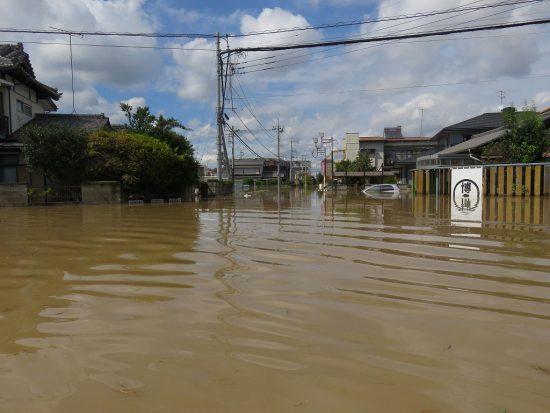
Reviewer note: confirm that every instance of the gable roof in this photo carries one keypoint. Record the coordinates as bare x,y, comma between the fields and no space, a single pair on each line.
16,62
477,124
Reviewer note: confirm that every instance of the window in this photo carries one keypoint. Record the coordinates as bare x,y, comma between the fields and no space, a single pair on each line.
22,107
8,174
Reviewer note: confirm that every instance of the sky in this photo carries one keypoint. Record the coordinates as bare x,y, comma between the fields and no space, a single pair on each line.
422,85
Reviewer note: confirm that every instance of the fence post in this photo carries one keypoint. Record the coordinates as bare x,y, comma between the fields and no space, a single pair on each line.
510,180
538,170
493,180
519,180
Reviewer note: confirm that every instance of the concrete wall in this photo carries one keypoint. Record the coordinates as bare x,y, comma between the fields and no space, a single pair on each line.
101,192
13,195
378,159
351,146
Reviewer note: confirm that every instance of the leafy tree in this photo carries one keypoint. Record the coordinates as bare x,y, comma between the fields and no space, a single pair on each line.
58,150
344,165
363,163
526,138
142,163
142,121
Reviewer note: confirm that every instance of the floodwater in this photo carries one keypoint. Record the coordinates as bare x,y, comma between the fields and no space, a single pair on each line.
335,303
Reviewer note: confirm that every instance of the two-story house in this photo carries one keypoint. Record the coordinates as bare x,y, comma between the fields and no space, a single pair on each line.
22,97
392,150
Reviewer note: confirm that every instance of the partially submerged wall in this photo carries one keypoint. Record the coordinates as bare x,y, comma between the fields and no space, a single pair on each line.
13,194
101,192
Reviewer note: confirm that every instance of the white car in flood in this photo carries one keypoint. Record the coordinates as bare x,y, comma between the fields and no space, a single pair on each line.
381,189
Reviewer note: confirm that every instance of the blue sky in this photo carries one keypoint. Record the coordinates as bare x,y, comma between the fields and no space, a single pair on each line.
346,89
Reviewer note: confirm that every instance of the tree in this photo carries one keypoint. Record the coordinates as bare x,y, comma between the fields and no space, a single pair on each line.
58,150
143,164
142,121
344,165
363,163
526,138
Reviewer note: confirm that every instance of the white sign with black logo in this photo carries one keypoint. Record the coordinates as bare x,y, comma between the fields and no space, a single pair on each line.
466,194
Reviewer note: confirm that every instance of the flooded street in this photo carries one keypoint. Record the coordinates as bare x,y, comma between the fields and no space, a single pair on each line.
336,303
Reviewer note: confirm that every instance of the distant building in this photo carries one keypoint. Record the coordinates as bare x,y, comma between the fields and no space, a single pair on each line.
300,169
260,168
391,151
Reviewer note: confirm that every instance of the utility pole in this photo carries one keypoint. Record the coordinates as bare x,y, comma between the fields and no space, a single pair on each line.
502,95
421,121
279,130
219,115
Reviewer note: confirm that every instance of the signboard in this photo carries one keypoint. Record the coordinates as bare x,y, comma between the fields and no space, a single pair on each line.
466,194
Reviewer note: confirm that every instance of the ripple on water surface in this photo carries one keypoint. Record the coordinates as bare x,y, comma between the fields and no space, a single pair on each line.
317,302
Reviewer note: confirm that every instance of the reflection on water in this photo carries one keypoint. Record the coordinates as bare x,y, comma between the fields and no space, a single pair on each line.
312,302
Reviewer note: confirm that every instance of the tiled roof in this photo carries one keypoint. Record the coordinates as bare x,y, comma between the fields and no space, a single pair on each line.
85,122
477,124
88,123
15,61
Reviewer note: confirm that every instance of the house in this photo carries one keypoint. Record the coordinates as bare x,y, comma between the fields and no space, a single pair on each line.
300,168
461,144
463,131
392,150
260,168
22,97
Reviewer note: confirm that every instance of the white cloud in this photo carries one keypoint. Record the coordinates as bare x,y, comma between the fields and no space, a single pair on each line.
121,68
194,72
542,99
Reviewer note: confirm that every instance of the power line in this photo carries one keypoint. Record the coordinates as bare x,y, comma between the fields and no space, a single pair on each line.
369,47
111,34
381,19
124,46
450,10
386,38
390,89
248,105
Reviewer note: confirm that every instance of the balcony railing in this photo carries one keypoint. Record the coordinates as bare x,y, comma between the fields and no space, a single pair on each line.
4,127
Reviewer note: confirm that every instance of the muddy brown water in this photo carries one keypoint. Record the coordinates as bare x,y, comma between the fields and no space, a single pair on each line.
335,303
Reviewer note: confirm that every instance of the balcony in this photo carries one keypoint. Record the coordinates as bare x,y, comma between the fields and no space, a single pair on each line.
4,127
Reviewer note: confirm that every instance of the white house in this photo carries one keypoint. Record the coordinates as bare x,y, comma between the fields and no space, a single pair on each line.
22,97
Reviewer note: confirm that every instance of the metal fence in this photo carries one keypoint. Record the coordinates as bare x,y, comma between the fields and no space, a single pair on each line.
55,194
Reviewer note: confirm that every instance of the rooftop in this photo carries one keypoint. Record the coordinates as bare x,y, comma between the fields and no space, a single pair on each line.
16,62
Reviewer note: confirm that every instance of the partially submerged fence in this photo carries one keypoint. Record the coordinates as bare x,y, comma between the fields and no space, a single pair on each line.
499,180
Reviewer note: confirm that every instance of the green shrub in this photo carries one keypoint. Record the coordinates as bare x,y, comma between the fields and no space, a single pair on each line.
141,163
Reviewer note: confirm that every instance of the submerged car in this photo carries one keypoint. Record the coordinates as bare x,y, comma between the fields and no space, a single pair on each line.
381,189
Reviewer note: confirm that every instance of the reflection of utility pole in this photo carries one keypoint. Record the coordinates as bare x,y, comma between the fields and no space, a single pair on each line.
291,158
232,133
321,150
279,130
